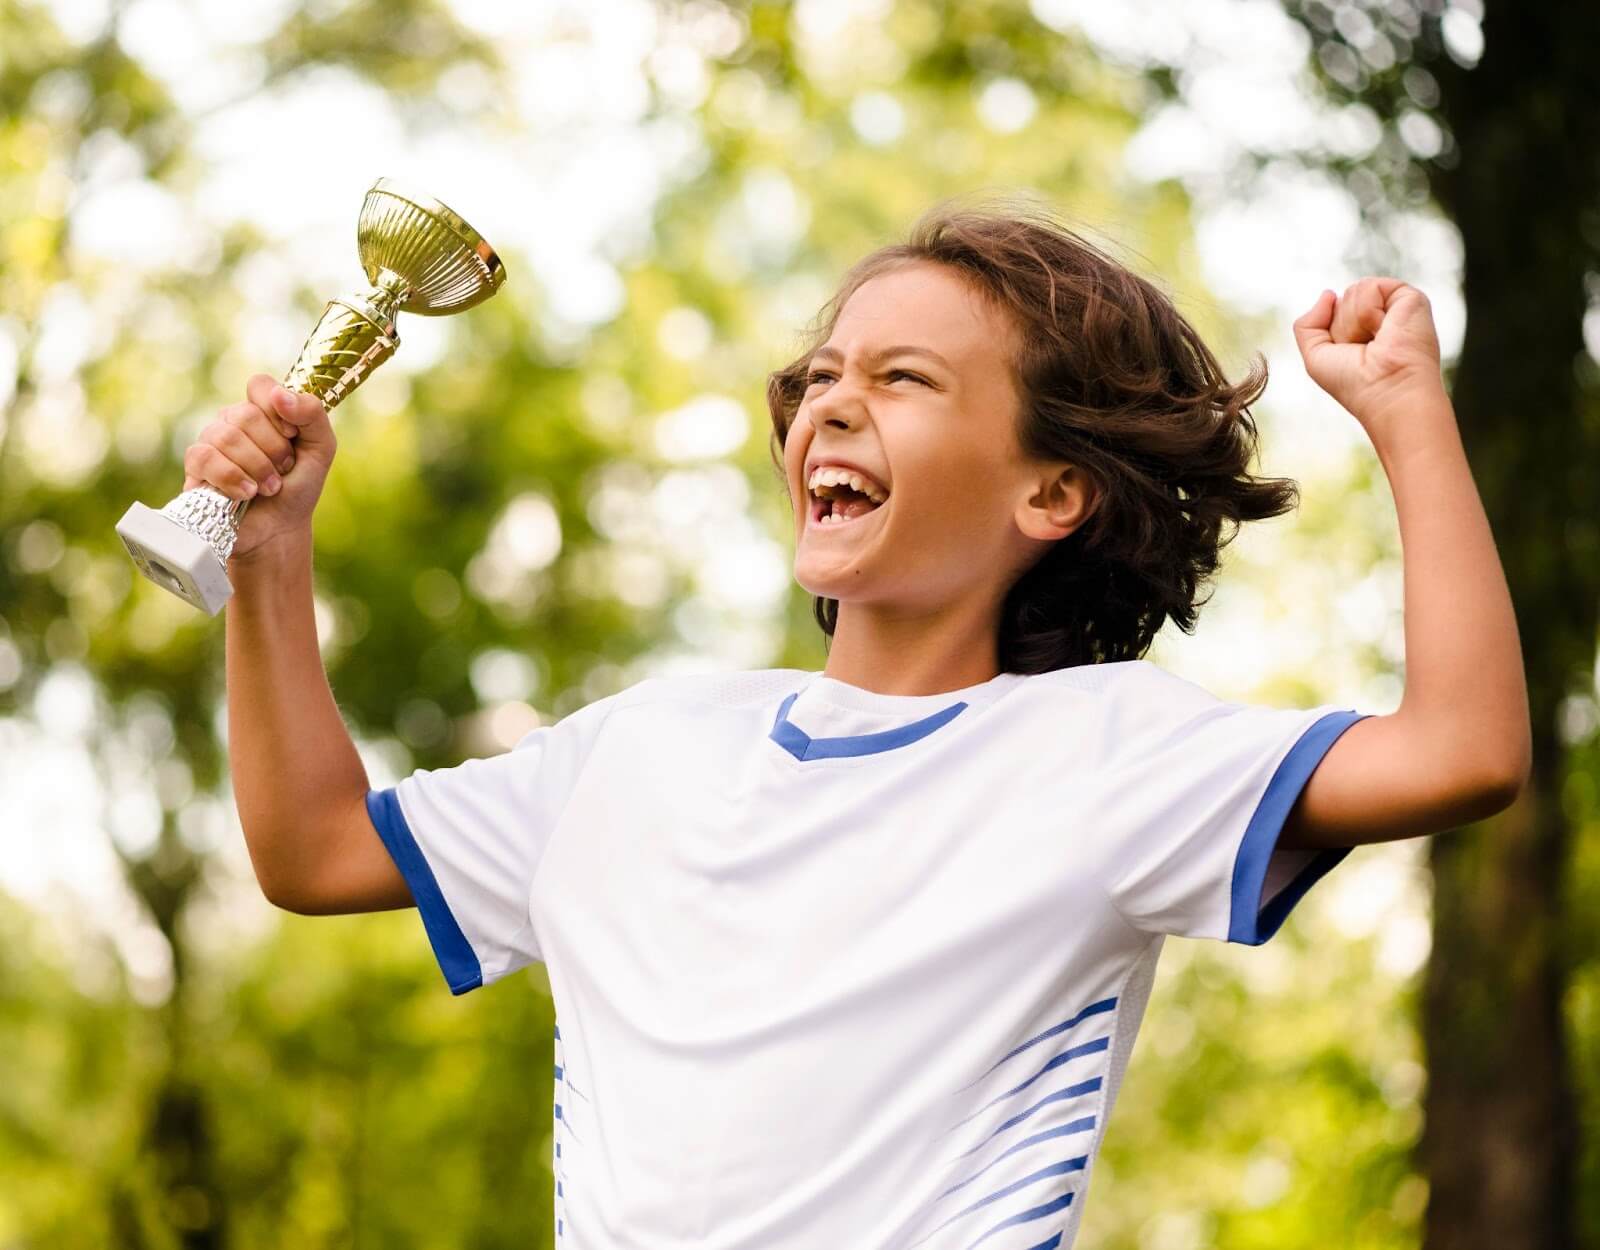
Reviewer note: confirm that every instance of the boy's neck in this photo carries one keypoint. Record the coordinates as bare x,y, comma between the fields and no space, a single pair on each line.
896,653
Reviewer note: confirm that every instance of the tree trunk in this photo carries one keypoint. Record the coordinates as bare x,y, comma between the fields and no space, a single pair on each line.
1499,1145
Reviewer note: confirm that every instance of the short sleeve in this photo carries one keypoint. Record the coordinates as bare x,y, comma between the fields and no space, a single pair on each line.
469,839
1200,856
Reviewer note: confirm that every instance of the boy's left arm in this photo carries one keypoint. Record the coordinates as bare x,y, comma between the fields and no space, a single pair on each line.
1459,747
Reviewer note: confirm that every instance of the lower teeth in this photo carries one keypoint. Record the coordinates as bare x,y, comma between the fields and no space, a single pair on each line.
829,515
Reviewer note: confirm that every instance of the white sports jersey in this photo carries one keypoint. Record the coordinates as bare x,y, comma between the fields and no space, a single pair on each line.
838,968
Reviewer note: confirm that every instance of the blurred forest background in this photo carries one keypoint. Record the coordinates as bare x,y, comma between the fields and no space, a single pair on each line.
569,489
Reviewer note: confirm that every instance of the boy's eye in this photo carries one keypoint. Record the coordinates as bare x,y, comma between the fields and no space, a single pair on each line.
818,375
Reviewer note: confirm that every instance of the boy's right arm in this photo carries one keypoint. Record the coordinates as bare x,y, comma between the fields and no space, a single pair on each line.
298,781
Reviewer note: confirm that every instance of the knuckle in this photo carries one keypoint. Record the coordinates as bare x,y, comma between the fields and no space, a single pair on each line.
206,462
217,463
238,434
248,440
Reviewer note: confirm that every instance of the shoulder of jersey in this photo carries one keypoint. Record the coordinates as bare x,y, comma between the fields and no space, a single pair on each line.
1141,680
1139,697
1174,694
729,689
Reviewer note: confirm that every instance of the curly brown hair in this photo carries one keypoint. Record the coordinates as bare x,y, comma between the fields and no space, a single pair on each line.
1114,380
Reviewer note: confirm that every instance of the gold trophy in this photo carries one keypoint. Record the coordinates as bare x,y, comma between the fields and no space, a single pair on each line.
420,258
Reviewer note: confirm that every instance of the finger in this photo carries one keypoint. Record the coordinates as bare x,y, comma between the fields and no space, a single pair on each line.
1362,313
298,409
1407,301
208,465
258,390
310,416
1346,315
1388,287
263,431
1379,292
287,428
240,448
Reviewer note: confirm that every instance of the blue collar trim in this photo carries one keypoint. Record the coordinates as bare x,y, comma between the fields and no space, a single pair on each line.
803,746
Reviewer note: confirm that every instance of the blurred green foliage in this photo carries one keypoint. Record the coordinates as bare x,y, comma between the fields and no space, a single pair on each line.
316,1085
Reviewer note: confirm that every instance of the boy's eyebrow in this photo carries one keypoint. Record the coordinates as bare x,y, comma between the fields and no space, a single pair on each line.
883,353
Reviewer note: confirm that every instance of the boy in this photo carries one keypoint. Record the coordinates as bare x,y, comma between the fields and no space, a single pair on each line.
856,958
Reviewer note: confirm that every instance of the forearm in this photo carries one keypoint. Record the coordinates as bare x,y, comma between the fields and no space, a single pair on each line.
1464,681
293,762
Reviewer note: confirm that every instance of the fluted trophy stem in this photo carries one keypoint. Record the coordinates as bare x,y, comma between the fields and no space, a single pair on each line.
355,335
419,257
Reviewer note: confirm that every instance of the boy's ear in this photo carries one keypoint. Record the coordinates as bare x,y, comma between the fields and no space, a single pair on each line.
1059,502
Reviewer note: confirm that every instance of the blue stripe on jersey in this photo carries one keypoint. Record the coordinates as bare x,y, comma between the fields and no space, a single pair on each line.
1081,1125
1061,1057
1055,1169
1022,1217
456,957
803,746
1249,922
1008,1139
1071,1091
1105,1004
561,1127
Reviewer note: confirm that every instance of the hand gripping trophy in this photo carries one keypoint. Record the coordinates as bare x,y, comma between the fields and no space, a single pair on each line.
420,258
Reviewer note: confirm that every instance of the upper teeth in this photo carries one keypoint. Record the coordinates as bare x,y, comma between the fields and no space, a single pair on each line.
829,476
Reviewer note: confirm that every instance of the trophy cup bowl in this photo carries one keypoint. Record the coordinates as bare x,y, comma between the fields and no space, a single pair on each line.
419,258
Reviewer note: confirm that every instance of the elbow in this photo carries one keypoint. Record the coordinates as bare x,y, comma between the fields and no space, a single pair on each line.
1511,788
1467,796
1501,787
1517,772
286,892
281,896
1499,771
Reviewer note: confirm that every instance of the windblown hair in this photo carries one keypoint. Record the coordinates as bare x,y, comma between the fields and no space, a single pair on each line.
1114,380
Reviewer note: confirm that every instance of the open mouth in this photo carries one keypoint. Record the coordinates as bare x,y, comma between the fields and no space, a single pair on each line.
835,504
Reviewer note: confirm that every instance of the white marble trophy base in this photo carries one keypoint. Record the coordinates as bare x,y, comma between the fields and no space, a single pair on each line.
175,558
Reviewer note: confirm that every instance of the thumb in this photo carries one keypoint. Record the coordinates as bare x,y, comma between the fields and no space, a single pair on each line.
298,416
314,431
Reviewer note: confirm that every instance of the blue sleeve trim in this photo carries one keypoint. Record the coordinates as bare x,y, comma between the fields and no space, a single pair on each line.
456,957
1249,922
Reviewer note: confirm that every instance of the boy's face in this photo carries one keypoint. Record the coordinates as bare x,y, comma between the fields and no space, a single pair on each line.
964,514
